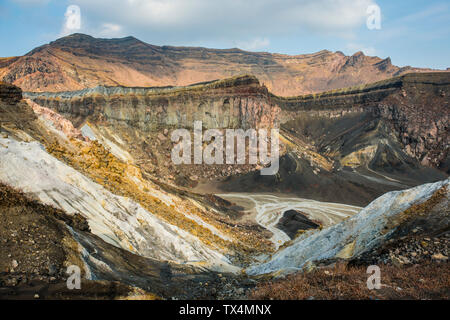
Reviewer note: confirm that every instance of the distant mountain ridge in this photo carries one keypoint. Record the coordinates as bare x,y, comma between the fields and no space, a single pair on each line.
80,61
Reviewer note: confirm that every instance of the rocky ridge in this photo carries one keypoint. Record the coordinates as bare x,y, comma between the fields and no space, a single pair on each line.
239,102
131,62
415,105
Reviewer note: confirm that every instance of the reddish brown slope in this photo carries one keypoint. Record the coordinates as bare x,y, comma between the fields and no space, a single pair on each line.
80,61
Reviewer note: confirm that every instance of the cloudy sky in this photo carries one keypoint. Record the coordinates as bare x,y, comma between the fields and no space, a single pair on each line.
411,32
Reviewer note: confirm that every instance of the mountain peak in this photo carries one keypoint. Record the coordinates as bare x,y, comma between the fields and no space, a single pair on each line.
74,37
131,62
359,54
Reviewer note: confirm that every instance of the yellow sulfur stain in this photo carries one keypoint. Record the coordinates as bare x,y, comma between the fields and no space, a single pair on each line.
347,251
100,165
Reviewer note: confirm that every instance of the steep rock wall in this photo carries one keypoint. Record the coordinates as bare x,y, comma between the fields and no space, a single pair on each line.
10,93
232,103
415,105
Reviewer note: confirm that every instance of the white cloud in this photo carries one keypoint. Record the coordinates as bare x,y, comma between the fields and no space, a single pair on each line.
110,30
217,19
31,2
254,44
354,47
72,20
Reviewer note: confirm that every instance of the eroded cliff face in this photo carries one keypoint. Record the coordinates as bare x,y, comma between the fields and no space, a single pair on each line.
9,93
414,108
420,114
352,145
366,140
233,103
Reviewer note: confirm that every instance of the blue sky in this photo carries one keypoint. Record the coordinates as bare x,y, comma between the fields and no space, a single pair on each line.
415,33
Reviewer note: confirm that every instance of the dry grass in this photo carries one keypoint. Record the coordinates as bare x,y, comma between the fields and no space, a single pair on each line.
426,281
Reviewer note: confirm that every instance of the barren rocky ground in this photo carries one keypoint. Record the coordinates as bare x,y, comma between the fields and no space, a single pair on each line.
86,179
